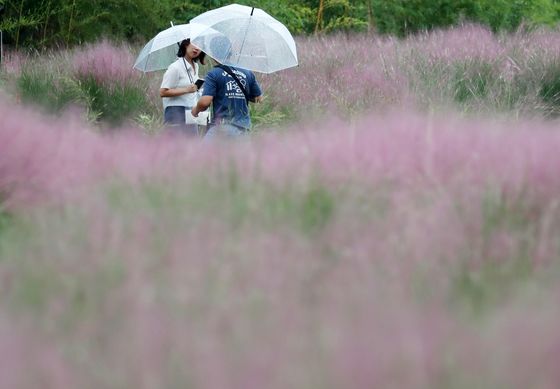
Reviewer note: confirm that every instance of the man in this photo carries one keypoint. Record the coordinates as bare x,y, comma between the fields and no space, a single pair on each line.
231,100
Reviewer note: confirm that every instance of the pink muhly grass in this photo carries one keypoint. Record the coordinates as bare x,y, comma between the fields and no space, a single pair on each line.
337,73
542,44
408,148
22,352
12,62
414,148
521,338
183,284
463,43
343,76
44,158
106,63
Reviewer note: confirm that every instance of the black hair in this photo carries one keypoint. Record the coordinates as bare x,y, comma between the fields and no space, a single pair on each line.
183,51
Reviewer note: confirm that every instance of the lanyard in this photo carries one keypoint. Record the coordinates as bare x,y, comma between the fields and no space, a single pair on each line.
188,71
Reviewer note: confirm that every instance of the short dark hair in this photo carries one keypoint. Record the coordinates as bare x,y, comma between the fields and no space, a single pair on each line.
183,51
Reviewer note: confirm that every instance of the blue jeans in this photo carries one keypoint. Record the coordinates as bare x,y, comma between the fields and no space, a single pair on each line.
174,119
226,130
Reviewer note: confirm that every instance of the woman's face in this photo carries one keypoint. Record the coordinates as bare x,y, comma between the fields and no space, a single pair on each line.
192,51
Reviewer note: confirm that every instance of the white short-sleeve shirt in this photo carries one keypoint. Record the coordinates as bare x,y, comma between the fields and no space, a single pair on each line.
178,76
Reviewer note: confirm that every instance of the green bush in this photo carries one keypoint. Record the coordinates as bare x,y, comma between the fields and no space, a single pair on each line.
40,23
482,287
550,89
46,90
510,14
47,23
113,104
268,115
317,208
51,85
472,80
5,216
401,17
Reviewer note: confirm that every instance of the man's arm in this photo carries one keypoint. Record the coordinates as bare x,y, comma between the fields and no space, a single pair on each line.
255,90
202,105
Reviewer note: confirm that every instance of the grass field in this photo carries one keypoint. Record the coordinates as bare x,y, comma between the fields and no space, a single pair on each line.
392,223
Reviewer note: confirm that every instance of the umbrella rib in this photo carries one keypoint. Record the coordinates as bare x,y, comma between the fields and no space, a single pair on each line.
251,51
245,36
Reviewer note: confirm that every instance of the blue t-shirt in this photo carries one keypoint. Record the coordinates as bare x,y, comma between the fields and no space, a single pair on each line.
229,101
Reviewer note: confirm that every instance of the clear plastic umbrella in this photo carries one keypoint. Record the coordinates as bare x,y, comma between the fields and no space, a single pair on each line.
246,37
161,50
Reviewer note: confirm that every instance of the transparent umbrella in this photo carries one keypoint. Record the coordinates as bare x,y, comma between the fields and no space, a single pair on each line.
161,50
245,37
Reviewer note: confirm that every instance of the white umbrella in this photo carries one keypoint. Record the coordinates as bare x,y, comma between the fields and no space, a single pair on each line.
161,50
246,37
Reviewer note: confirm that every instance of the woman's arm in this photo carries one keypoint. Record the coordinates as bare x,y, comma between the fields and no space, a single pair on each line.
173,92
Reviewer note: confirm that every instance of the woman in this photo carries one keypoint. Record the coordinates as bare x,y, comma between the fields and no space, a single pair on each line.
178,89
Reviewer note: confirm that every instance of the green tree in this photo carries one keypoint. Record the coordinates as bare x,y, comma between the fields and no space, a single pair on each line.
401,17
510,14
39,23
42,23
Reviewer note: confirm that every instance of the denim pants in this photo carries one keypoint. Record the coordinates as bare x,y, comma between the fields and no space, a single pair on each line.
226,130
174,119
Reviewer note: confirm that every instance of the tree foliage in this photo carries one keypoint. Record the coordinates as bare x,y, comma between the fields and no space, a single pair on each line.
40,23
401,17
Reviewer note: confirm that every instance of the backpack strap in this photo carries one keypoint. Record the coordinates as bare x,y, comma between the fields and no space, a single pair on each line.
232,74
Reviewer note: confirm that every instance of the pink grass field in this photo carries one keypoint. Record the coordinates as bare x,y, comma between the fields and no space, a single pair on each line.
379,240
402,250
347,74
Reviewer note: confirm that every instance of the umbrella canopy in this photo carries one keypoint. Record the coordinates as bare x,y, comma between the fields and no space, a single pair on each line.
161,50
246,37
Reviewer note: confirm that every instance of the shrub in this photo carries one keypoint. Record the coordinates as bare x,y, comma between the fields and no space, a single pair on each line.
47,90
550,89
114,89
472,80
113,104
99,77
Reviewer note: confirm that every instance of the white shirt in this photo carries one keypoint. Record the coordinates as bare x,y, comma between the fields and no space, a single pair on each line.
177,76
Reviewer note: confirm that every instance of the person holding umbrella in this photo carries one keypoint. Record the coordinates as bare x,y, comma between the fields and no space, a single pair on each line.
179,88
229,89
